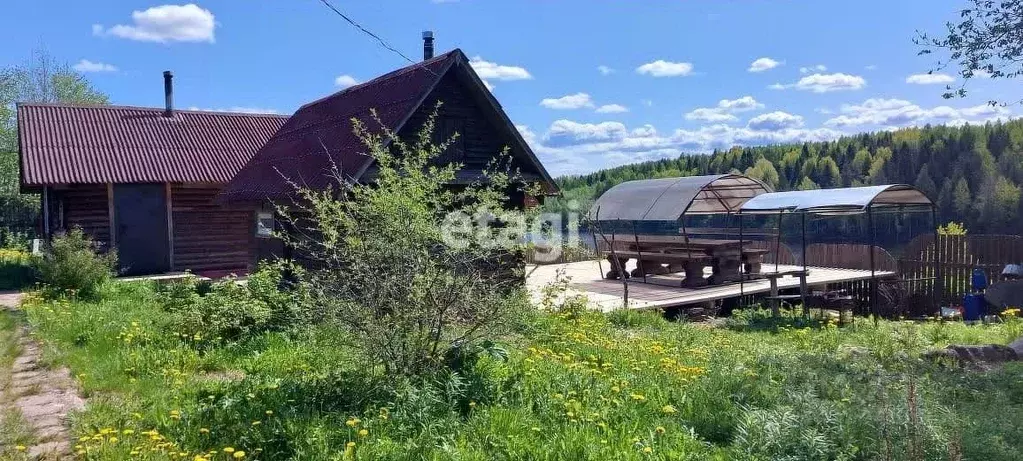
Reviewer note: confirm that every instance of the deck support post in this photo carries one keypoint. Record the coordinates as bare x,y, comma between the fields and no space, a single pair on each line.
802,277
742,265
639,251
596,249
873,277
938,287
777,243
46,212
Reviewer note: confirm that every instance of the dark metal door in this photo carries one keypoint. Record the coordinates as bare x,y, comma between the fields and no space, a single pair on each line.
140,223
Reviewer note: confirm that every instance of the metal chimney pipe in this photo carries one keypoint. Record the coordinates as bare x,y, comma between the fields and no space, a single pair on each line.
168,94
427,44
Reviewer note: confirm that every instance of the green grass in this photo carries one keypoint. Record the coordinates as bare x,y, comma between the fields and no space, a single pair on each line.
15,270
616,386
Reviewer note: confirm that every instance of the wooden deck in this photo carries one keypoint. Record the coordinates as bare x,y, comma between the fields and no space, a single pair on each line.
662,291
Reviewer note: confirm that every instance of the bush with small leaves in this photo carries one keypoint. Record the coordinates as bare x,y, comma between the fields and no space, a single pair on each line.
72,266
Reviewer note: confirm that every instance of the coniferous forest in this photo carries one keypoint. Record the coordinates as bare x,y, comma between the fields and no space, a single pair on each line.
973,173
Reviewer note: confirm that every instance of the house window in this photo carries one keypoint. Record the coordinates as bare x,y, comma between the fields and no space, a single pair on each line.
264,224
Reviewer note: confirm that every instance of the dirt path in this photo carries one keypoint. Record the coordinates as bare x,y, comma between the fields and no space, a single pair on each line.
43,397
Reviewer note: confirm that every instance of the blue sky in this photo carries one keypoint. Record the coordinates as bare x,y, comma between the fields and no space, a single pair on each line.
590,84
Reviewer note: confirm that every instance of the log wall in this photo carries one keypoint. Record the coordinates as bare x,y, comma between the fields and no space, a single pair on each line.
208,235
84,206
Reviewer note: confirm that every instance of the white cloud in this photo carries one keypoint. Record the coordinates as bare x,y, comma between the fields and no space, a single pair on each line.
570,147
816,68
775,121
871,67
823,83
929,79
710,114
572,101
574,132
895,113
612,109
493,71
604,70
762,64
778,86
345,81
238,109
724,110
742,104
662,68
165,23
86,65
486,83
647,102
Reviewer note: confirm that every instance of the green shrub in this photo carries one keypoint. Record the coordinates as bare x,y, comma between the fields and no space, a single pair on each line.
282,287
274,298
226,313
404,263
71,266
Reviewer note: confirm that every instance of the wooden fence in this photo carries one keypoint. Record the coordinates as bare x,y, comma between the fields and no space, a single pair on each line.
957,257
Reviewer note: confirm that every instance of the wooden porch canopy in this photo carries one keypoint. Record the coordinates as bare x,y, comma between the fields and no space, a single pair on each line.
668,199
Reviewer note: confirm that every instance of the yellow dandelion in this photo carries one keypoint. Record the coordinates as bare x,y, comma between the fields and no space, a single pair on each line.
350,445
648,450
228,450
363,432
238,454
20,448
668,410
204,430
659,430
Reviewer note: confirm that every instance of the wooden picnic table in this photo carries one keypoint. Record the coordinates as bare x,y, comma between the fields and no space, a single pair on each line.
662,254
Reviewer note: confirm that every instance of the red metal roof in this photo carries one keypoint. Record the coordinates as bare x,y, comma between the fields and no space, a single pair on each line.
320,134
69,144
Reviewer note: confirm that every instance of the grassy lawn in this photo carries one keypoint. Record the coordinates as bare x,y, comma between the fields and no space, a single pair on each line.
625,385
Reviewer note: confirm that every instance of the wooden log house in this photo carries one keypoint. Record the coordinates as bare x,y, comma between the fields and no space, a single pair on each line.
176,190
319,136
144,180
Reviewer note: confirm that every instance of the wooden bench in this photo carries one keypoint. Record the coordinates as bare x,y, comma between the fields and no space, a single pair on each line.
777,299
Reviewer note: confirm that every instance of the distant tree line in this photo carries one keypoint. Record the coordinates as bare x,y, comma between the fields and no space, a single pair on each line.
973,173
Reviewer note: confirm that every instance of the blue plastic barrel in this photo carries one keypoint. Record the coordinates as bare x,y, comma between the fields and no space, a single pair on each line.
973,307
979,280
